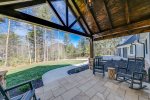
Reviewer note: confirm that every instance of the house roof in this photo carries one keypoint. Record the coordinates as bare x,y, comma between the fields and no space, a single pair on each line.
131,40
104,20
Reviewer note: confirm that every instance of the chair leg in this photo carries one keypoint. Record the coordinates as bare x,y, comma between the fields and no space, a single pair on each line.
116,76
93,71
131,84
141,86
103,71
34,97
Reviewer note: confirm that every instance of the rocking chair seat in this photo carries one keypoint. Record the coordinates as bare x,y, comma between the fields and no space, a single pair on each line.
132,75
124,75
26,96
17,97
29,95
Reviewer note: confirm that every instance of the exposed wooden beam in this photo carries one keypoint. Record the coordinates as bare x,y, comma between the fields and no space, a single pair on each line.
95,19
55,11
137,31
127,12
80,23
77,8
67,20
75,22
91,48
4,2
126,28
34,20
23,4
108,14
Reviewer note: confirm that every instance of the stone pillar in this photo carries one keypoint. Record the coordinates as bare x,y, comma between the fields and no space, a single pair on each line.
2,78
91,54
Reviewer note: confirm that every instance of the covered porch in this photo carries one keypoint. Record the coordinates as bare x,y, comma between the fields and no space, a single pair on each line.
99,20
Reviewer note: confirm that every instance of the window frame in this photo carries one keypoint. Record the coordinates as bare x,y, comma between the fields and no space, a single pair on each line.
146,47
131,49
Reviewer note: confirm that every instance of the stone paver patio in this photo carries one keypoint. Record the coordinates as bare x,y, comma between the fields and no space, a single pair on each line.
86,86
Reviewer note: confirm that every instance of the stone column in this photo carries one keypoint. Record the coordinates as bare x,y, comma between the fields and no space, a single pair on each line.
2,78
91,54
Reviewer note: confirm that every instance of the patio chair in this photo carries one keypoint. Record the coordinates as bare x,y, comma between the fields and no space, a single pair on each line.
132,73
26,96
98,66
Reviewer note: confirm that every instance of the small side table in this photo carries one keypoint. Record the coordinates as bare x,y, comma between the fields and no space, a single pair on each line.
111,72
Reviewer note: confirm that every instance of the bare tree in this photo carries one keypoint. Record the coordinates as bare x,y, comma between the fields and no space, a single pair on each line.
44,44
7,43
35,49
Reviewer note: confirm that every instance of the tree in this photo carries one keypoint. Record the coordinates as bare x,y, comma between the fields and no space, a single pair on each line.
43,12
83,47
66,43
7,43
35,44
106,47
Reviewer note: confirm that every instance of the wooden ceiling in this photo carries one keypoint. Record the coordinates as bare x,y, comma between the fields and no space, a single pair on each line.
104,20
114,18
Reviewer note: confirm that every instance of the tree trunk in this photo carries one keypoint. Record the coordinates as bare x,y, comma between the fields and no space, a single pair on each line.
29,51
35,48
44,45
7,44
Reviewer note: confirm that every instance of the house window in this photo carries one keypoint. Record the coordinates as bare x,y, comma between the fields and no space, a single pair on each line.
131,49
146,48
119,51
125,52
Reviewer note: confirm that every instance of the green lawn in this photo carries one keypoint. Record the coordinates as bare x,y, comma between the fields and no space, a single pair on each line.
35,71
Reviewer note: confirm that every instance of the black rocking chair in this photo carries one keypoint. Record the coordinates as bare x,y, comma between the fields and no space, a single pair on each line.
26,96
98,66
132,73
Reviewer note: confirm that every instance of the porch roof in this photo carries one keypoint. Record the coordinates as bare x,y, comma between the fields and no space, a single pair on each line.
104,20
131,40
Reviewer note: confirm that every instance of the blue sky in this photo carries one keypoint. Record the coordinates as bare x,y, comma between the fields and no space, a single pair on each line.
59,6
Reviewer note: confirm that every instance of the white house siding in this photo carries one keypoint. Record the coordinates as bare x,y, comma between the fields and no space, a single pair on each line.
139,49
147,56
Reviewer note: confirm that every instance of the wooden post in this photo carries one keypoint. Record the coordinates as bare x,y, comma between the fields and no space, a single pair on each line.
91,54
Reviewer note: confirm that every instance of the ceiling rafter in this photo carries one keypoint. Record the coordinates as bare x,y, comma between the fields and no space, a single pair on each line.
108,14
75,22
147,29
55,11
127,12
23,4
34,20
77,8
126,28
67,19
80,23
95,19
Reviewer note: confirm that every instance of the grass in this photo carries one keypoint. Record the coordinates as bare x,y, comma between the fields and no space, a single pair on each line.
20,74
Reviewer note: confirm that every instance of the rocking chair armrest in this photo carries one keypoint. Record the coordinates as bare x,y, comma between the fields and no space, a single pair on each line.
134,73
19,85
123,68
138,73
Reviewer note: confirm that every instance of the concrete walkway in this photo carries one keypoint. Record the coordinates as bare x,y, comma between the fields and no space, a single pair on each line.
58,73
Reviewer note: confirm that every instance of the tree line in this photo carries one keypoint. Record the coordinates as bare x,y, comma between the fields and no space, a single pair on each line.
41,44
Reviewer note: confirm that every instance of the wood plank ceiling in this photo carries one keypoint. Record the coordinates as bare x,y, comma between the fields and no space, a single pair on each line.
114,18
104,20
